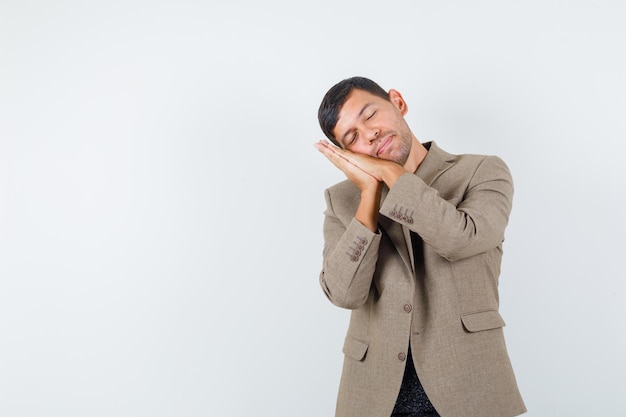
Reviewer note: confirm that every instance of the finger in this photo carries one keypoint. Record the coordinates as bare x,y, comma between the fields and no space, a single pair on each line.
325,146
319,146
343,159
346,166
327,149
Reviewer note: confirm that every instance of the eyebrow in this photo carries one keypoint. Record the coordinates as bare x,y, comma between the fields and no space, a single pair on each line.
343,138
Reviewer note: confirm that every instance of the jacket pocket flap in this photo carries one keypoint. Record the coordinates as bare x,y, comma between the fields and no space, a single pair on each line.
483,320
355,349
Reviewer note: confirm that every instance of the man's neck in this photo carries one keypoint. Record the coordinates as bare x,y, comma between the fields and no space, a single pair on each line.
416,155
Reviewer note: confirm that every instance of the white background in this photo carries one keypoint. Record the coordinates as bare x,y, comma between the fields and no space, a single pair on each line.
161,201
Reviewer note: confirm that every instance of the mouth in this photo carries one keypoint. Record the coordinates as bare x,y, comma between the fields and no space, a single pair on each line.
384,145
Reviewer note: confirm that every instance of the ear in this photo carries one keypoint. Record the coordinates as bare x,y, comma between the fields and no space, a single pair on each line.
396,98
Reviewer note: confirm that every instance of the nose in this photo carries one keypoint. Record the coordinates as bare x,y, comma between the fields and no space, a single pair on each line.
374,135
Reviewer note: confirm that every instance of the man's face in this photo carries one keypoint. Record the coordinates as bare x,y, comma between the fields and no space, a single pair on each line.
373,126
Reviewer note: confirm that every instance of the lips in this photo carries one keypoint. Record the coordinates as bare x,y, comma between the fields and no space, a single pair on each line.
384,145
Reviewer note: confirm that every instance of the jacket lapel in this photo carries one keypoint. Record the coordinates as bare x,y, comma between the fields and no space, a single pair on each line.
436,163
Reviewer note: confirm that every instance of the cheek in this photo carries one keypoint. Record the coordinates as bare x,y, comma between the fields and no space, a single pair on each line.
360,148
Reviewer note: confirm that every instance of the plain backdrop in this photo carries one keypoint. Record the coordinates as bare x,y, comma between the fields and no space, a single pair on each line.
161,201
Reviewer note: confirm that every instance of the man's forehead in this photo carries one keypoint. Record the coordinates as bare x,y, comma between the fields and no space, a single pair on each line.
356,100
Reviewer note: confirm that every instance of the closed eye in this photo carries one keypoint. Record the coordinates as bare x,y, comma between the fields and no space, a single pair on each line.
371,115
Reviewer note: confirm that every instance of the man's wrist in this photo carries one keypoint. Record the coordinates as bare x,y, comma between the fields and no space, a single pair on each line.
391,172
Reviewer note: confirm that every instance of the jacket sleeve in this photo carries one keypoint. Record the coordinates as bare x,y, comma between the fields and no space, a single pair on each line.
475,225
349,259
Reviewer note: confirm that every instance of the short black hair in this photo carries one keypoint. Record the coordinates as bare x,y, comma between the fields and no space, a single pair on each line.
335,98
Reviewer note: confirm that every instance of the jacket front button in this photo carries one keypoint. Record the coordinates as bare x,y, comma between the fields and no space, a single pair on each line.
401,356
408,308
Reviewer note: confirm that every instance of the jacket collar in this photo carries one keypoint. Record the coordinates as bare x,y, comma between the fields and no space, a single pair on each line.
436,162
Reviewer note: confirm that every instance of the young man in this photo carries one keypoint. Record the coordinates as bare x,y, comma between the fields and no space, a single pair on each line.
413,245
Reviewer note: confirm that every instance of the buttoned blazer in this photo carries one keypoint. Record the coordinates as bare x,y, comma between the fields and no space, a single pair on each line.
442,297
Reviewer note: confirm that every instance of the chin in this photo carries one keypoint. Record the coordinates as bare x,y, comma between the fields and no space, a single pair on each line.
401,160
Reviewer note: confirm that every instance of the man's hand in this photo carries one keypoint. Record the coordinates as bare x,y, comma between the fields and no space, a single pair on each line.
339,158
380,169
370,187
